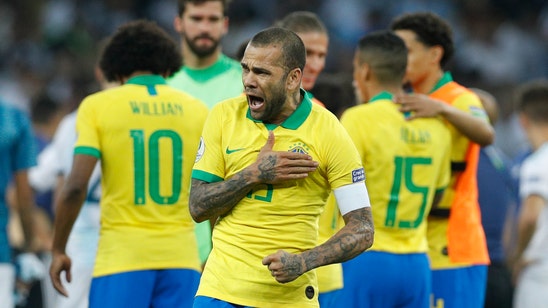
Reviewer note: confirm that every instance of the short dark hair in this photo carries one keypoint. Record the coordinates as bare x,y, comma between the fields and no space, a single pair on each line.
293,51
532,100
385,53
139,46
302,22
431,30
43,107
181,5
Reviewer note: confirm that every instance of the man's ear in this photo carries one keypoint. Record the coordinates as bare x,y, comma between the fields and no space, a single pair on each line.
294,79
437,53
365,72
178,24
225,25
523,121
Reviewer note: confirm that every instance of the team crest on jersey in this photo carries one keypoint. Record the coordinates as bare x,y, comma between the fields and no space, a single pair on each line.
201,150
299,147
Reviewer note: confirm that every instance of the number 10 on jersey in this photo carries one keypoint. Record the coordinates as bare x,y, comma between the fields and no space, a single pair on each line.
153,160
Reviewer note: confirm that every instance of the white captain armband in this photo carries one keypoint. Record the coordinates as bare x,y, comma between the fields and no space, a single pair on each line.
352,197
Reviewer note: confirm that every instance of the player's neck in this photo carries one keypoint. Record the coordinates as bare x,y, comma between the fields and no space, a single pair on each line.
538,136
392,89
191,60
428,83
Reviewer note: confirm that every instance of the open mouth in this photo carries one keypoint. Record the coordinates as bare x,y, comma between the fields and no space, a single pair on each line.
255,102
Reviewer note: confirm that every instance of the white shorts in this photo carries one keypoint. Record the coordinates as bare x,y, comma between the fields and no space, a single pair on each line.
7,285
531,288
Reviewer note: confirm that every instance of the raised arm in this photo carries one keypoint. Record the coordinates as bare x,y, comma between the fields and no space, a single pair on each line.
209,200
474,128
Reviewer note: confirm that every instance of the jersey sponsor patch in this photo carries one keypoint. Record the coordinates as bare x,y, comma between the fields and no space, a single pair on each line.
358,175
477,112
201,150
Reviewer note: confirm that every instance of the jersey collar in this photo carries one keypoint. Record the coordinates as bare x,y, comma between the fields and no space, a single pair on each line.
203,74
446,78
380,96
297,118
146,80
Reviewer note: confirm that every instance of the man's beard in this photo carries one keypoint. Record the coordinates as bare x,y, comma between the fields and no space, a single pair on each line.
275,103
201,52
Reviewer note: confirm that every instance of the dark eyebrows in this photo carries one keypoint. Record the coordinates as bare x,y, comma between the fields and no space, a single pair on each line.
256,70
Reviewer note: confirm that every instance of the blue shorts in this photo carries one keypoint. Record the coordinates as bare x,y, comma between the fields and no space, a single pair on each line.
459,287
381,279
330,299
147,288
210,302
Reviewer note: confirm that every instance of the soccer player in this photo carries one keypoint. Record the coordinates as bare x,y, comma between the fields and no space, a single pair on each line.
314,35
457,246
407,167
266,165
531,256
207,73
146,135
17,155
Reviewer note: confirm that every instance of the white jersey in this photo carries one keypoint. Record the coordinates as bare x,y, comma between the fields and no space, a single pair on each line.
56,159
534,180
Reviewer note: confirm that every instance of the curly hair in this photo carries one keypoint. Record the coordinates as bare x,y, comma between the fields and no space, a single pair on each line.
431,30
139,46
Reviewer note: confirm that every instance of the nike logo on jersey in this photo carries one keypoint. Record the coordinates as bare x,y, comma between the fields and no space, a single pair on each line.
229,151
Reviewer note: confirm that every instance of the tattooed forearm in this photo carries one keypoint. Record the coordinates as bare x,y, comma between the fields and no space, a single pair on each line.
350,241
267,172
216,199
292,265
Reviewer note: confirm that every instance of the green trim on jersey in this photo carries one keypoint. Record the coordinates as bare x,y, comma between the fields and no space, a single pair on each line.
222,65
213,84
382,95
87,151
205,176
446,78
147,80
296,119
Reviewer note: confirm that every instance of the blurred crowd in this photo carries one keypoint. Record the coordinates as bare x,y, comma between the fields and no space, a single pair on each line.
48,50
50,47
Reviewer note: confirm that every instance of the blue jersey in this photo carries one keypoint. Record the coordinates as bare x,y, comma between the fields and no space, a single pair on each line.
17,152
496,196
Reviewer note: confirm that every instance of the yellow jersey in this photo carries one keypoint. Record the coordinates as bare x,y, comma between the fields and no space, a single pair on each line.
405,162
146,135
271,217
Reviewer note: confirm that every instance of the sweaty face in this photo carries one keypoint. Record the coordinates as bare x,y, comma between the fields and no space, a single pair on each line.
264,80
419,58
202,27
316,44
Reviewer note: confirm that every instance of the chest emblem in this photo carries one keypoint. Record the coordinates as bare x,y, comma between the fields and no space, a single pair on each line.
299,147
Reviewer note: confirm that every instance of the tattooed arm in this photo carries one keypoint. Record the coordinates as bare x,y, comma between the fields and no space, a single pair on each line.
216,199
354,238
